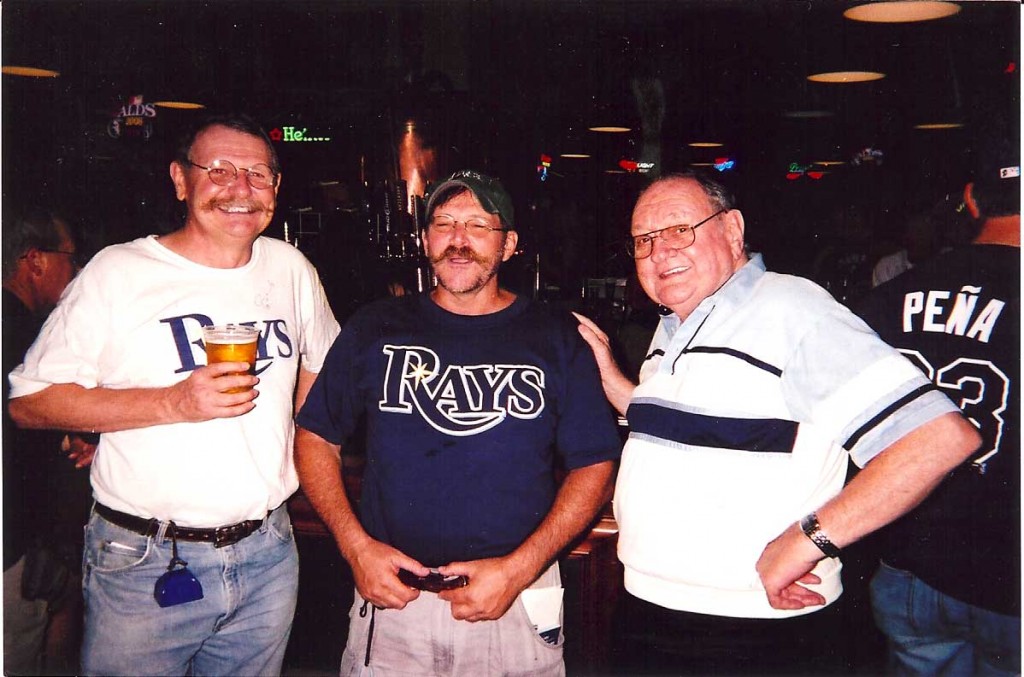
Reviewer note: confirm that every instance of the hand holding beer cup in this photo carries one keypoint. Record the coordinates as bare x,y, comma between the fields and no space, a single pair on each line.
232,343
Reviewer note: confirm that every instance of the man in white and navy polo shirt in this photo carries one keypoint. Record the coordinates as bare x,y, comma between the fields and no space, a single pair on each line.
757,389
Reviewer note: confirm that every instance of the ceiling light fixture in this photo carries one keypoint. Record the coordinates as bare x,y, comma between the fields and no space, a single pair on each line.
29,72
829,163
610,129
575,155
939,125
902,12
846,76
180,105
705,144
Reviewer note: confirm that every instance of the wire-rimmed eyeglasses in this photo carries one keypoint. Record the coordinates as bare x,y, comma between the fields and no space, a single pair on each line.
223,173
678,237
475,227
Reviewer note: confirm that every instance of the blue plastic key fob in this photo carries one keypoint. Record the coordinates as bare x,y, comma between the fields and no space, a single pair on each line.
177,587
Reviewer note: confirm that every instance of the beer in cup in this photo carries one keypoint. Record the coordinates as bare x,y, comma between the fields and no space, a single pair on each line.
231,343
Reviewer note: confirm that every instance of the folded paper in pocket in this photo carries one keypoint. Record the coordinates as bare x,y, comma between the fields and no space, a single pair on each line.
544,609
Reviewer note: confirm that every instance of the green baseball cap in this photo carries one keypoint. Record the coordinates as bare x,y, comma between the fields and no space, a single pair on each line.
488,191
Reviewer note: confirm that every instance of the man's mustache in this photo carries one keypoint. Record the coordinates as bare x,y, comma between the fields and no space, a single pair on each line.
249,205
453,252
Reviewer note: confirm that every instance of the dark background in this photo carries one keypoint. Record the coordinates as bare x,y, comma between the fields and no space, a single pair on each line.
492,85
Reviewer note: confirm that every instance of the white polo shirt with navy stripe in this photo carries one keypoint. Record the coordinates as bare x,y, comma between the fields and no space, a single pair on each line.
742,424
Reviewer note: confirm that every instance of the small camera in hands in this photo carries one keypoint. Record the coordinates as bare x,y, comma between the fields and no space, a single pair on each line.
435,581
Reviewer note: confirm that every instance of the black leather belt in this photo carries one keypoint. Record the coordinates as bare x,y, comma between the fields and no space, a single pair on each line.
219,536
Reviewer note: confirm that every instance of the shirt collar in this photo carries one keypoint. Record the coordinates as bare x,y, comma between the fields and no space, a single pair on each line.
734,292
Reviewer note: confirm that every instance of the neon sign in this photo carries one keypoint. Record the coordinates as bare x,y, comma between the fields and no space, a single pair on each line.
289,134
796,170
723,164
544,166
133,119
542,169
868,155
637,167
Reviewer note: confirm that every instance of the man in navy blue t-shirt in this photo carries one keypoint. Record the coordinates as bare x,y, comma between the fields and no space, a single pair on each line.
471,395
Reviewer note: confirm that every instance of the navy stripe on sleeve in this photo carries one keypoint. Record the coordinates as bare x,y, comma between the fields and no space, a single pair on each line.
770,435
882,415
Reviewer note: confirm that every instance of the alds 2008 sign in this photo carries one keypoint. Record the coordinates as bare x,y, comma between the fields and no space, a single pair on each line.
133,119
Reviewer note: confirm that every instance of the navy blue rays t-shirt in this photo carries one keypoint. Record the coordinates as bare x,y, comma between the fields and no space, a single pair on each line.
464,418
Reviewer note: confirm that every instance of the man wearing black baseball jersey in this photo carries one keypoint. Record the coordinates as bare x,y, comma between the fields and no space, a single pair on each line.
947,592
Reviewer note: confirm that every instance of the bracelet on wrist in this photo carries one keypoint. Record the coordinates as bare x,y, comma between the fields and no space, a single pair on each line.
813,530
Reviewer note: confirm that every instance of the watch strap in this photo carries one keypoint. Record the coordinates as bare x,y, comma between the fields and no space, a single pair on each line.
813,530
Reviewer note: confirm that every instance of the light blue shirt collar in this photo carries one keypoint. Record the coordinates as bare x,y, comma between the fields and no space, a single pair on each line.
734,292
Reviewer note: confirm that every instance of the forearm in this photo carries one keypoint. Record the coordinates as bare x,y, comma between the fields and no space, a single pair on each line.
219,390
898,479
617,388
892,484
68,406
582,494
318,464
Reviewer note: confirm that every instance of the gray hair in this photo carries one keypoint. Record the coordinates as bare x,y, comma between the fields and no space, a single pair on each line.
32,229
239,122
719,196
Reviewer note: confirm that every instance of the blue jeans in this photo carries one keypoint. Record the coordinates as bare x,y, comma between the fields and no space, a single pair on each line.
239,627
931,633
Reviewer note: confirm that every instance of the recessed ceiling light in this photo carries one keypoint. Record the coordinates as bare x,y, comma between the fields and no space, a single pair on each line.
939,125
612,129
808,114
846,76
705,144
29,72
574,155
901,12
180,105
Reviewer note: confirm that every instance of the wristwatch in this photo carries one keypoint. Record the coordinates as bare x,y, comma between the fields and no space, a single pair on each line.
813,529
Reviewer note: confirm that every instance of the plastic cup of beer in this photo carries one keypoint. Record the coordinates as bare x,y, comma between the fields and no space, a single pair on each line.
231,343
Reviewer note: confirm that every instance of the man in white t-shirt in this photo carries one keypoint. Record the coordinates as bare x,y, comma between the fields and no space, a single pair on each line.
190,566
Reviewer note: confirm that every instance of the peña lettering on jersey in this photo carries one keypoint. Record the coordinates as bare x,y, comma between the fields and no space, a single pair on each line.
935,314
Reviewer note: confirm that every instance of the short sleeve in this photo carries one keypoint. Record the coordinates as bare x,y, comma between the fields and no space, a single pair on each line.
319,326
70,345
333,406
857,388
587,432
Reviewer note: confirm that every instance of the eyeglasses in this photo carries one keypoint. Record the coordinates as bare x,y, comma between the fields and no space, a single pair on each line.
73,255
475,227
678,237
223,173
